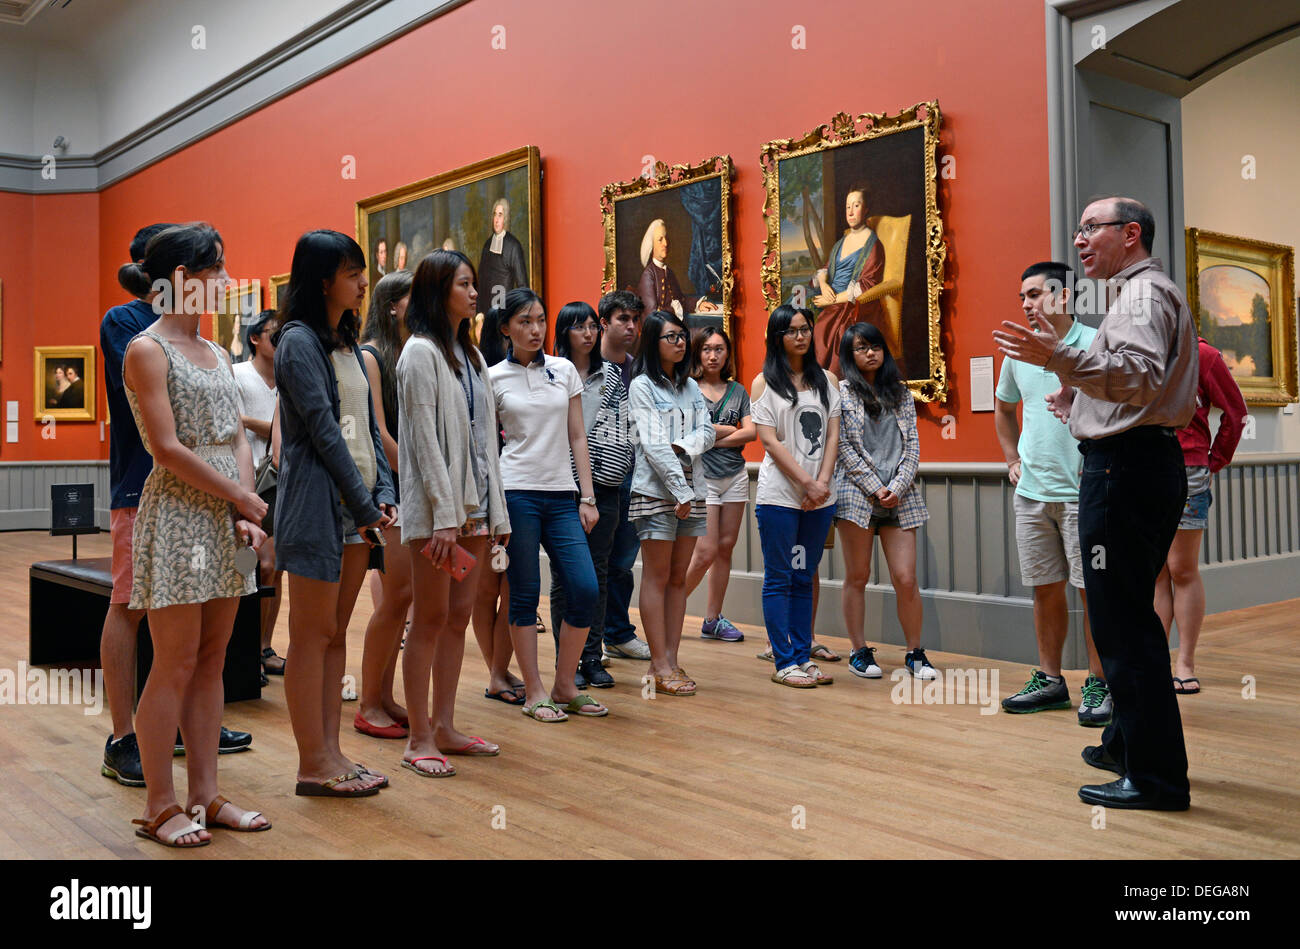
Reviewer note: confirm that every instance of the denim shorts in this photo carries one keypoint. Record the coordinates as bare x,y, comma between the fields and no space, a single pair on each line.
350,533
1196,512
668,526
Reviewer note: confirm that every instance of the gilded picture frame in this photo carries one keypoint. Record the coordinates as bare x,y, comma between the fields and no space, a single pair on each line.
889,160
689,207
457,209
64,383
275,290
240,303
1234,284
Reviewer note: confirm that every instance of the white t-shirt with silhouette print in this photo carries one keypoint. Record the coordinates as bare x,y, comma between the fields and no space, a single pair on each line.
801,429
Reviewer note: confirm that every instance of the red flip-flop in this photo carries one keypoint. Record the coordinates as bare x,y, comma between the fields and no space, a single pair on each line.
470,750
379,731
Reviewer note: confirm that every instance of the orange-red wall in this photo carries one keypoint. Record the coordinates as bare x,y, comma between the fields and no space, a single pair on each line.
597,87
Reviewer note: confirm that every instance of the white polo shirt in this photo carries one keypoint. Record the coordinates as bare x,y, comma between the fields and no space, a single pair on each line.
533,410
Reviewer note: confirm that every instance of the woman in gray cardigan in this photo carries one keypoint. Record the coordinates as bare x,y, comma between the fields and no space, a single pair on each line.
452,499
334,485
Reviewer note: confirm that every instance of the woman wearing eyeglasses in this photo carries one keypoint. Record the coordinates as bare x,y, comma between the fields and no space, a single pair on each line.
796,406
668,488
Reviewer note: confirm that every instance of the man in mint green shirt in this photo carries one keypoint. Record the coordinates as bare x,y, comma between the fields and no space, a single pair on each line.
1043,463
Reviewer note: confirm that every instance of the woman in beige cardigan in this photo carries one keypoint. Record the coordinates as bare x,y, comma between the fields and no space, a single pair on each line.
451,497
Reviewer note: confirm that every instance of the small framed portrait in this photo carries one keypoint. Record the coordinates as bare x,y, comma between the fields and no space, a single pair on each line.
854,234
1242,295
668,240
65,383
275,290
242,302
490,211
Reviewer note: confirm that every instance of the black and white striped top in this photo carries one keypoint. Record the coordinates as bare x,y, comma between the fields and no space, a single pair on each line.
609,429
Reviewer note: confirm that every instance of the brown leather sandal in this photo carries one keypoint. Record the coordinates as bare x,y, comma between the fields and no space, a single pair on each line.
674,685
214,808
149,829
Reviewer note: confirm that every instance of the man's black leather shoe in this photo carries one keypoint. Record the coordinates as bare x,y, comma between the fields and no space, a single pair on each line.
1124,793
1096,756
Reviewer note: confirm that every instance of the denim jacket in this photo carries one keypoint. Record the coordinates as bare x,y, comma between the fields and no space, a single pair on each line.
665,417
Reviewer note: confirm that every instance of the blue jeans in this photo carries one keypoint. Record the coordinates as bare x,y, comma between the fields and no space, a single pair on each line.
548,519
618,586
793,541
598,542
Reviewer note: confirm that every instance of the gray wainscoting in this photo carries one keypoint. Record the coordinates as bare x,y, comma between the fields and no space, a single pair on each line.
969,571
25,491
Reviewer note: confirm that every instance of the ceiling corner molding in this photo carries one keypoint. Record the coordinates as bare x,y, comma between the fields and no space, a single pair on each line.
348,34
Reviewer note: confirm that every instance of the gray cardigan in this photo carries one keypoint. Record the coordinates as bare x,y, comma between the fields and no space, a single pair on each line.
434,445
315,464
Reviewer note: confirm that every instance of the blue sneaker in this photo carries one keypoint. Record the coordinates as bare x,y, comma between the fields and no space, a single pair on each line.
919,665
862,663
721,628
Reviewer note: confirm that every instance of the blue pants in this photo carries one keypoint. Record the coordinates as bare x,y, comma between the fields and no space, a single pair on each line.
793,541
548,519
618,585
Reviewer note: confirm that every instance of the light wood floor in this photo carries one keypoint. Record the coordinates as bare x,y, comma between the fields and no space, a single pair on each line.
726,773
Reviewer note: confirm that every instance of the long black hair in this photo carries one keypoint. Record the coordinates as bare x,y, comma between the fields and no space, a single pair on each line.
777,371
317,259
494,323
571,315
887,391
647,353
384,334
426,314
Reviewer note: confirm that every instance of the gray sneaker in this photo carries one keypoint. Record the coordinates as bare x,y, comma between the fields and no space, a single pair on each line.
1039,694
1096,708
634,648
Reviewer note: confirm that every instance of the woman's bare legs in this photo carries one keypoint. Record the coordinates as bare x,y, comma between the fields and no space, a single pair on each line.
899,547
857,572
664,565
492,628
384,632
449,648
1182,575
314,668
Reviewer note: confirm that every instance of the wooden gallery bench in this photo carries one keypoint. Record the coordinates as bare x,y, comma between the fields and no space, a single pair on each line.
68,603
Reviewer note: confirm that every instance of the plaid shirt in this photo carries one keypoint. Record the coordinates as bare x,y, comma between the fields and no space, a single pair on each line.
856,481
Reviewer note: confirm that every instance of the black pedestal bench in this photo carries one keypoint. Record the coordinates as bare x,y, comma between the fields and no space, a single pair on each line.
68,603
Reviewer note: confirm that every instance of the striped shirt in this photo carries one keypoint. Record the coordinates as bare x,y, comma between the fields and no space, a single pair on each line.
608,427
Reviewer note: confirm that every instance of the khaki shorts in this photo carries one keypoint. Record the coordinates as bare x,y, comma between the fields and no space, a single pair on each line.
1047,536
121,521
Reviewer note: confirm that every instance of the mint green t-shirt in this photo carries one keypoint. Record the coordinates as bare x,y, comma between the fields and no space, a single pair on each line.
1049,454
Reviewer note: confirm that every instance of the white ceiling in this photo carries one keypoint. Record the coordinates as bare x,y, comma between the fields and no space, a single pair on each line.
94,71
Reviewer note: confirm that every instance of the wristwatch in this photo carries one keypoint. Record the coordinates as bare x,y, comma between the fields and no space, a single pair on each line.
591,501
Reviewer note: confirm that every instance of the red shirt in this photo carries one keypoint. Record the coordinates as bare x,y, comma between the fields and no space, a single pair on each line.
1215,387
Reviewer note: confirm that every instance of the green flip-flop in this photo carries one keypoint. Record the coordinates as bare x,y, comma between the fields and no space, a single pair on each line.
531,712
582,702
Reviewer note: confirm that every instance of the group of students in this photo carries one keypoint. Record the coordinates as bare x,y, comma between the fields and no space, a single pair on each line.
628,438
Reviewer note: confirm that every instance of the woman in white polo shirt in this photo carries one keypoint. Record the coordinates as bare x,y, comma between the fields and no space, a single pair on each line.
539,405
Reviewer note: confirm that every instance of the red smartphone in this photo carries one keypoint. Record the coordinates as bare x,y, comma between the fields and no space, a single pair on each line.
458,564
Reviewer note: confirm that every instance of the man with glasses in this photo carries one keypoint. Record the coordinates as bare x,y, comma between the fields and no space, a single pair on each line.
1043,466
1124,398
620,328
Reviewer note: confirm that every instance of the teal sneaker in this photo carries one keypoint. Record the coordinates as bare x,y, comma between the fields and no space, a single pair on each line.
1039,694
1096,708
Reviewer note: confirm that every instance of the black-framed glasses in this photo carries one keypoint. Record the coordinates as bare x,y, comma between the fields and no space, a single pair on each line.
674,338
869,348
1087,230
797,331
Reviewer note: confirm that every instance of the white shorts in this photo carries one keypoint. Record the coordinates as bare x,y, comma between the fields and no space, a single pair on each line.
727,490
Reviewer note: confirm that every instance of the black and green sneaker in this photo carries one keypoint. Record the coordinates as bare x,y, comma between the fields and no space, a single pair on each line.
1096,708
1039,694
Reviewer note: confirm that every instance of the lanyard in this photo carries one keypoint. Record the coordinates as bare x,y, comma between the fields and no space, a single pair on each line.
467,383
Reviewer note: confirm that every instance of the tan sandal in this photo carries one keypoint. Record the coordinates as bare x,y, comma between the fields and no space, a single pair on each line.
674,685
149,829
794,677
680,673
824,653
766,655
245,822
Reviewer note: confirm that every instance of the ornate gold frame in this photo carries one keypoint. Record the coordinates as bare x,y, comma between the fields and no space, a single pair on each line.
666,177
87,356
273,290
844,129
528,156
1276,264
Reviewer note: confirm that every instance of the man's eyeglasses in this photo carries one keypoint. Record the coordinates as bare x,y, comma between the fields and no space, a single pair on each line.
674,338
797,331
1087,230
